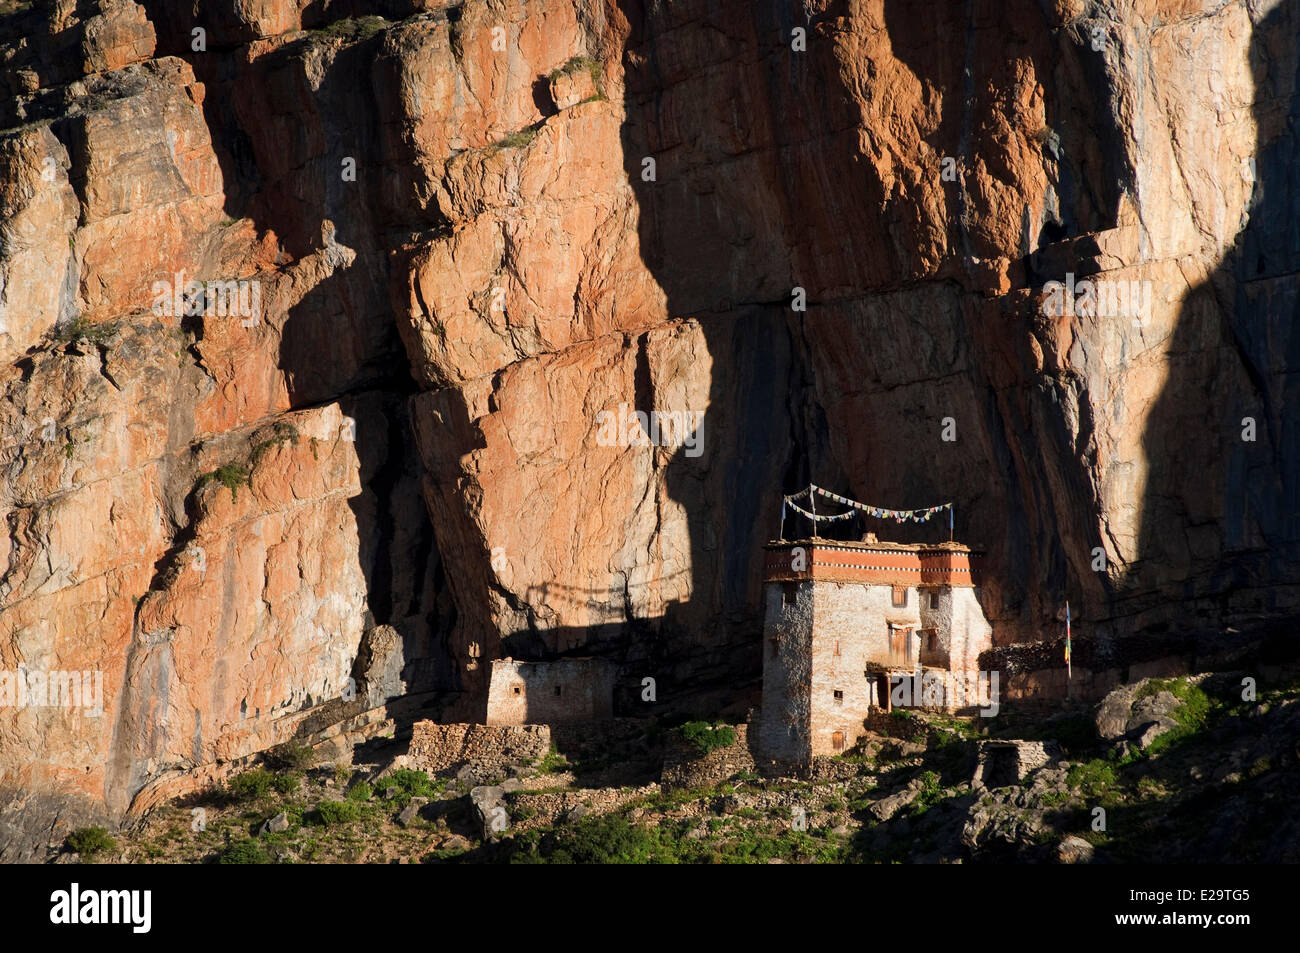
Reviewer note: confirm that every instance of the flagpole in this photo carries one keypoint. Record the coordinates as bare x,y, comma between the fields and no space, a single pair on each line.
1069,663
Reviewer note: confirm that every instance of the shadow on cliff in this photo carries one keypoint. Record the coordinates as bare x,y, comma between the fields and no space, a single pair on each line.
1220,530
338,342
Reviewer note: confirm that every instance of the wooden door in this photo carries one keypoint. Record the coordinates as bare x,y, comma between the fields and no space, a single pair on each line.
899,644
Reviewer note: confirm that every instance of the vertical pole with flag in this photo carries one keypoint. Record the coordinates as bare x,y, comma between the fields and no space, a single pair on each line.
1068,672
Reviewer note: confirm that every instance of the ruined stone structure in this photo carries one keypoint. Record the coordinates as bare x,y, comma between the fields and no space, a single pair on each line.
844,620
557,692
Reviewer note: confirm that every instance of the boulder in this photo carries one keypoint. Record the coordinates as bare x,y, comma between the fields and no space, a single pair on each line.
276,824
1074,850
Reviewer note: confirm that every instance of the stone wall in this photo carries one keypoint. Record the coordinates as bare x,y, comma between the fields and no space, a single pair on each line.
787,671
437,747
563,691
685,767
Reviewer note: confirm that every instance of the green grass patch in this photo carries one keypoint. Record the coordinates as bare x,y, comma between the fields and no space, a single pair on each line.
553,762
1191,714
1096,780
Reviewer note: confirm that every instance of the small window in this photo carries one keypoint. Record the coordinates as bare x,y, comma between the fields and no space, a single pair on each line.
934,600
900,595
836,653
933,643
516,689
789,593
557,691
839,698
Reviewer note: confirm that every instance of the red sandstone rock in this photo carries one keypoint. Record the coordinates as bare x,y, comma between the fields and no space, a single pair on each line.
504,245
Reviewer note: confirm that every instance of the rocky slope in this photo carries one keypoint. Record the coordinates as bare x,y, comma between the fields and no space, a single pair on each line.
463,256
1163,771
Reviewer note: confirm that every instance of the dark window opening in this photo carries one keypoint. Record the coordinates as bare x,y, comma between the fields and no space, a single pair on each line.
839,698
789,593
934,641
516,689
557,690
934,600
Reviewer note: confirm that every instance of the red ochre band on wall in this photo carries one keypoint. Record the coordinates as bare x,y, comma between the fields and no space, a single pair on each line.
920,564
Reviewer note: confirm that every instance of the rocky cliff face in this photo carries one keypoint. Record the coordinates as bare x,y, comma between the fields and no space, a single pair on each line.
823,229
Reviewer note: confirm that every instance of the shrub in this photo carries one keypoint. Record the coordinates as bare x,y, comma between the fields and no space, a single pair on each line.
249,786
79,327
706,737
286,783
518,138
411,783
361,791
244,852
282,433
601,840
230,475
339,812
293,757
90,841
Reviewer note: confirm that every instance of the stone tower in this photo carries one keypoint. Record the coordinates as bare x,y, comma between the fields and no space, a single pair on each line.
844,621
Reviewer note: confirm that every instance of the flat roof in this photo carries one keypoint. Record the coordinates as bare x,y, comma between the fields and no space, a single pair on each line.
877,546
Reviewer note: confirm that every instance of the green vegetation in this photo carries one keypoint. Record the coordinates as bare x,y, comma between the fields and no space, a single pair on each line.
249,786
580,64
89,841
283,433
361,791
1096,779
230,475
706,737
932,792
338,812
292,757
351,28
244,852
517,139
80,328
1191,714
615,840
553,762
411,784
